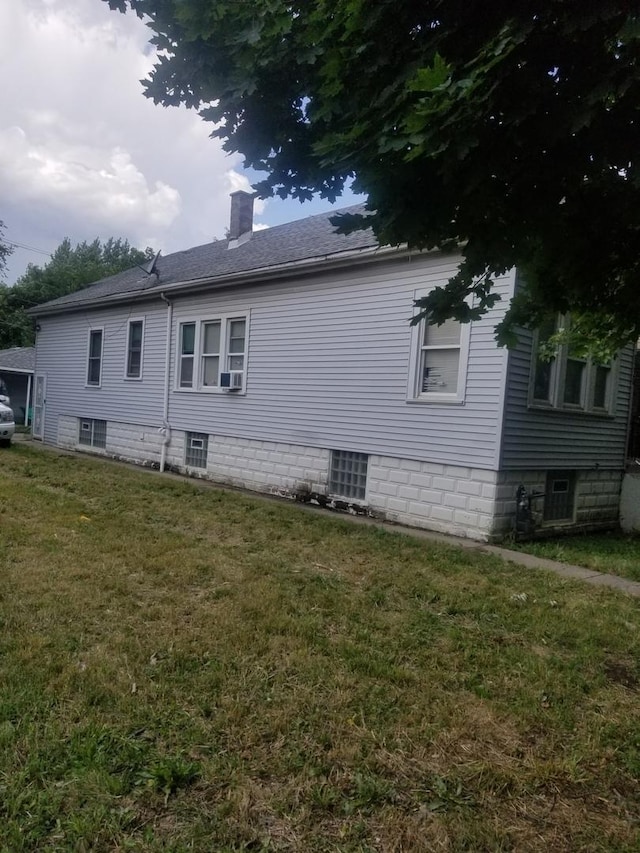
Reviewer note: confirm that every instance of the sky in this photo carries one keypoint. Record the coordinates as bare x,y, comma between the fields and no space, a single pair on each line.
83,154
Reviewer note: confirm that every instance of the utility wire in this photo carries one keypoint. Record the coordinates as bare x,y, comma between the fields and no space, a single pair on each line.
24,246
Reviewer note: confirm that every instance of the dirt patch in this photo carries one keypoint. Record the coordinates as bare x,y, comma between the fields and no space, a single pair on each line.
621,673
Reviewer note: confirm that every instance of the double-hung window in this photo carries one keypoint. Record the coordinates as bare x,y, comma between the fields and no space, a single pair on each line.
564,379
575,372
440,358
210,358
135,335
236,344
545,366
212,353
187,354
439,362
94,359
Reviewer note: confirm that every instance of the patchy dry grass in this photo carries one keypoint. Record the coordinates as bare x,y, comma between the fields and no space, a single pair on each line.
614,553
187,669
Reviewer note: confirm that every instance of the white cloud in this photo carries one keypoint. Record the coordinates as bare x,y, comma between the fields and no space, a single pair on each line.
84,154
101,184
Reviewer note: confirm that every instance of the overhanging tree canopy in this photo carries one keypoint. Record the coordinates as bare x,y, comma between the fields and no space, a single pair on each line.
70,268
510,128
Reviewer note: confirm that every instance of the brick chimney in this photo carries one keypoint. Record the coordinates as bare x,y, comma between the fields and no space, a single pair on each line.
241,214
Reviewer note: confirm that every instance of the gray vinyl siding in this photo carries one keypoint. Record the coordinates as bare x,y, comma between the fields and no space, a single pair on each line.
543,439
61,354
328,366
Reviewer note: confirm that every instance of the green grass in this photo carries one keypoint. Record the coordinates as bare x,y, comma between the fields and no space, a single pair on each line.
187,669
614,553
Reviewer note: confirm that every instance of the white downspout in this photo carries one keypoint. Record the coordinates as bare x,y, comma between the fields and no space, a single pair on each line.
165,429
28,406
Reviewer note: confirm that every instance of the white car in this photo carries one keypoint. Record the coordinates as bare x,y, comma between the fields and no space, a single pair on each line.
7,425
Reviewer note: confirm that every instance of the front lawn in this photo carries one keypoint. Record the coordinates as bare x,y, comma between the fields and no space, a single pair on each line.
614,553
187,669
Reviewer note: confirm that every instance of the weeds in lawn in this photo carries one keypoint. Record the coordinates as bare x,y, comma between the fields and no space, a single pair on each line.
170,774
184,668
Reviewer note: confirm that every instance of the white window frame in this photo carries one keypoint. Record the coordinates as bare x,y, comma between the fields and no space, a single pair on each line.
228,355
127,376
97,384
557,381
224,355
414,392
179,355
202,354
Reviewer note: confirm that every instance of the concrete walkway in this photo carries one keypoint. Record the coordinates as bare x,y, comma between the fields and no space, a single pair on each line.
528,561
565,570
519,558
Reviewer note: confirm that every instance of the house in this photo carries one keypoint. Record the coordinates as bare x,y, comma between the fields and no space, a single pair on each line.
16,374
633,448
284,361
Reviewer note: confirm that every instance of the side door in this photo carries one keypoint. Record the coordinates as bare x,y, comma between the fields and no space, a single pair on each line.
39,401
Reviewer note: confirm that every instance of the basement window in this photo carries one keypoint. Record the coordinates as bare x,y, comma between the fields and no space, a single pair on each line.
92,433
559,499
196,449
348,474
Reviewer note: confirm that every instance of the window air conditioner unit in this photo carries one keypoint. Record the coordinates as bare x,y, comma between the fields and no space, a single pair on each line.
232,380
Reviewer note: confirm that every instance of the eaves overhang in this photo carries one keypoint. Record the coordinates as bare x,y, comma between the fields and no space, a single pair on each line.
4,368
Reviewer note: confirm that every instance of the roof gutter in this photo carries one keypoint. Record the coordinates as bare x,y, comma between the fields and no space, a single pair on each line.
255,276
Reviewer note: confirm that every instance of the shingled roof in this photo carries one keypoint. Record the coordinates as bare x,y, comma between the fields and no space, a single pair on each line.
309,240
18,359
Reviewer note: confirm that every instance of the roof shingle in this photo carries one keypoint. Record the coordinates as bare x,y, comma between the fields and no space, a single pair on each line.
18,358
303,240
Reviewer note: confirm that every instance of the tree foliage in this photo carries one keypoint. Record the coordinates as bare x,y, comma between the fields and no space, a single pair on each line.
510,128
5,251
70,269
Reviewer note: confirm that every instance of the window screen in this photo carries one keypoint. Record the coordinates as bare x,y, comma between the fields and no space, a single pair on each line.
544,367
574,381
95,357
187,354
601,386
440,358
210,353
236,344
134,350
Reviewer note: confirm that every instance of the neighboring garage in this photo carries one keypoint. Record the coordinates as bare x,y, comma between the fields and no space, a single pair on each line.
16,370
